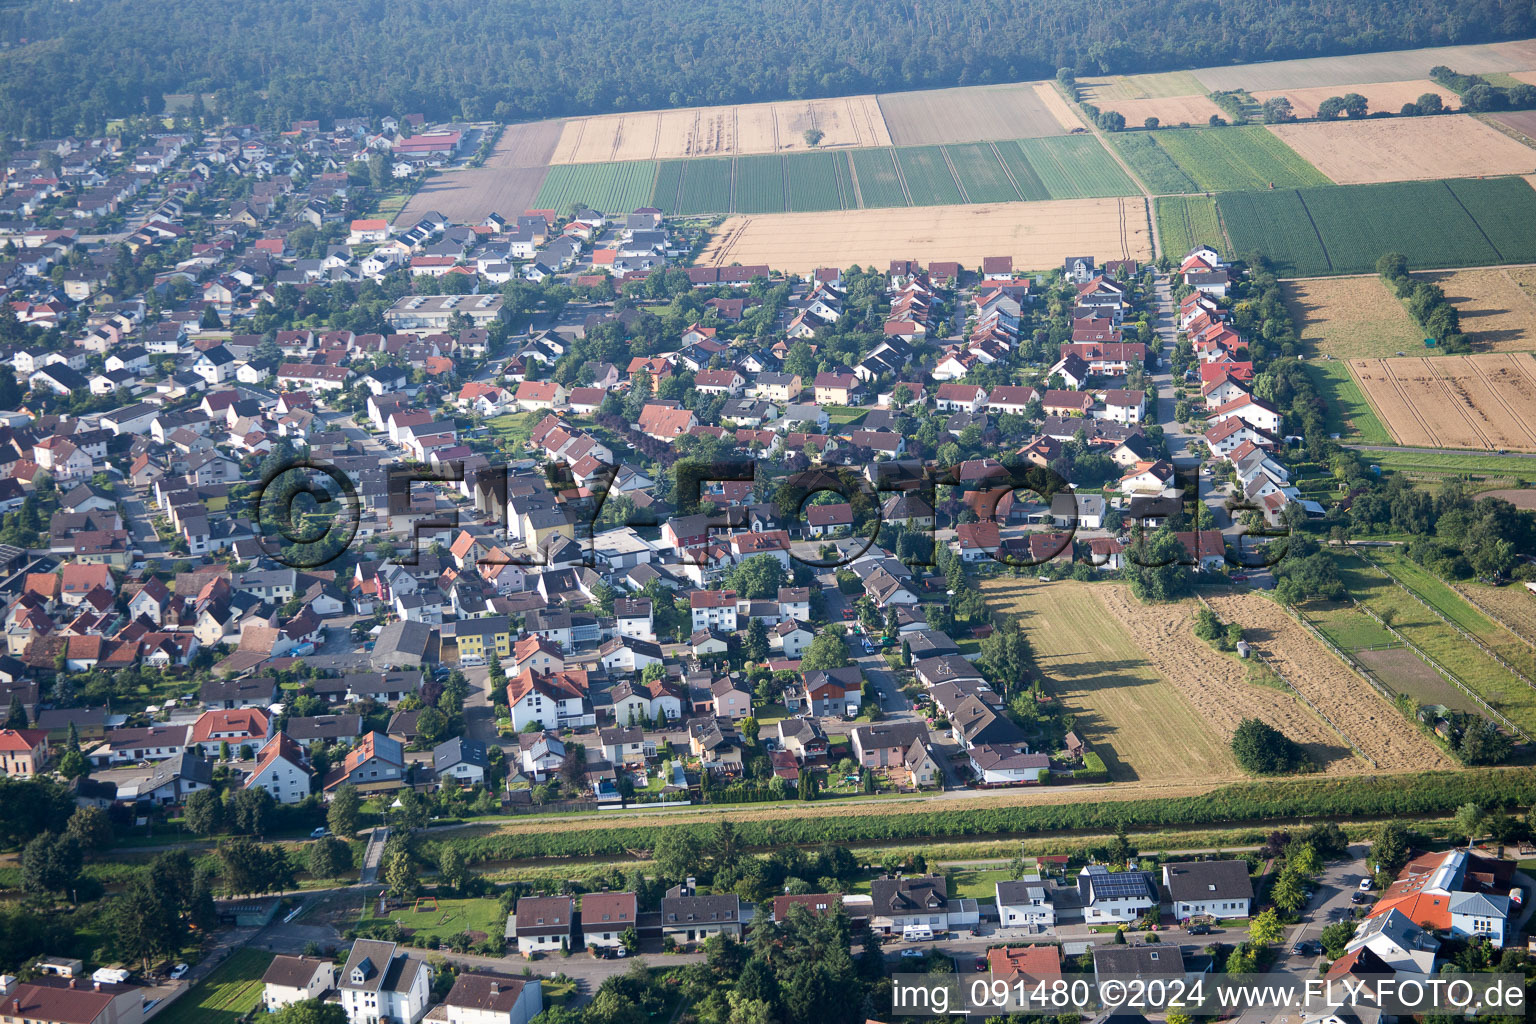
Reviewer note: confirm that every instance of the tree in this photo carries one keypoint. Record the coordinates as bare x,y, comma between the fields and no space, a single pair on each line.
204,812
1288,893
329,858
311,1011
757,578
251,808
826,651
399,872
91,828
248,867
210,319
1430,103
50,863
755,647
676,853
813,136
452,868
1330,108
1355,105
431,726
1277,109
73,765
1266,927
342,815
143,926
16,718
1391,846
1151,123
1261,749
1469,819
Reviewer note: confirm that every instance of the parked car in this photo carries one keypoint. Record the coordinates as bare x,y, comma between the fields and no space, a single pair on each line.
1365,884
1200,929
320,833
912,954
179,971
981,963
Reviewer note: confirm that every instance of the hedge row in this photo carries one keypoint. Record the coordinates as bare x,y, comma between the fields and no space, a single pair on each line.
1395,796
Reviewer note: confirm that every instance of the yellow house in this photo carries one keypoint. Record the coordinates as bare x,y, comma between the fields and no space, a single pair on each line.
540,524
476,638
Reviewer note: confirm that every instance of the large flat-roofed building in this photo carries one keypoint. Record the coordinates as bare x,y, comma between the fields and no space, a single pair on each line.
433,312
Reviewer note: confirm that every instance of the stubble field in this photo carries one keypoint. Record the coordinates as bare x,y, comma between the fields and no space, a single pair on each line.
1036,235
1406,148
1512,605
1388,96
1216,684
1481,401
973,114
1351,317
1375,726
1390,66
1497,306
1138,721
722,131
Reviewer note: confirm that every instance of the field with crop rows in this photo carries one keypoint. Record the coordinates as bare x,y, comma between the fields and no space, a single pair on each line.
667,194
613,186
230,992
1076,167
760,184
1186,221
1152,163
1344,229
819,181
981,174
1484,676
879,184
706,186
1236,158
929,180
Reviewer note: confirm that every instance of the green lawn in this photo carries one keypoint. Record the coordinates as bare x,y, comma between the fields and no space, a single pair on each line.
1502,467
452,917
977,883
515,428
844,415
1237,158
1349,415
229,993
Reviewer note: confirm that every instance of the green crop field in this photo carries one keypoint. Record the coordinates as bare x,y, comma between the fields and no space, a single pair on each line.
981,175
1348,414
229,993
1075,167
1030,186
879,185
1497,467
608,187
1186,221
817,181
1236,158
665,196
706,186
1344,229
928,176
760,184
1347,626
1152,163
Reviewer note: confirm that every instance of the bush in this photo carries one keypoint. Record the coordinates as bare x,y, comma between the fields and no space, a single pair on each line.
1093,770
1261,749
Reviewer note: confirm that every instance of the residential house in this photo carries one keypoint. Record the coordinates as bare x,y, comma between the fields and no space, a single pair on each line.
1213,888
690,918
379,984
296,979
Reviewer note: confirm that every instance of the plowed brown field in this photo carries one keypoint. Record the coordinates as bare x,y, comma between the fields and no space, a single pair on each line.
1375,726
1481,401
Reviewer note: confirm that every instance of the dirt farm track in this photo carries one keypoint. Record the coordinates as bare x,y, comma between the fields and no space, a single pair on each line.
1481,401
1036,235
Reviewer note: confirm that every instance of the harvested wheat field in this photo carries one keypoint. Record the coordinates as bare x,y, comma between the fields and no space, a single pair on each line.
1482,401
1407,148
1386,66
1497,306
1216,685
1512,605
506,183
722,131
1388,96
1099,91
1037,235
974,113
1169,110
1143,726
1351,317
1375,726
1065,113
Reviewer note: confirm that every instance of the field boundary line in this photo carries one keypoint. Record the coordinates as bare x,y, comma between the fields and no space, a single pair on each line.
1269,663
1327,256
1449,676
853,180
1491,617
954,173
1402,394
1463,207
1007,171
1437,613
901,175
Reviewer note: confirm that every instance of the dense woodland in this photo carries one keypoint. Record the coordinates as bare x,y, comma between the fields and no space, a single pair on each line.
272,61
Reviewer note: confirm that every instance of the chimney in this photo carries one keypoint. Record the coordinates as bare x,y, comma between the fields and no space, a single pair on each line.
72,983
96,985
495,989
